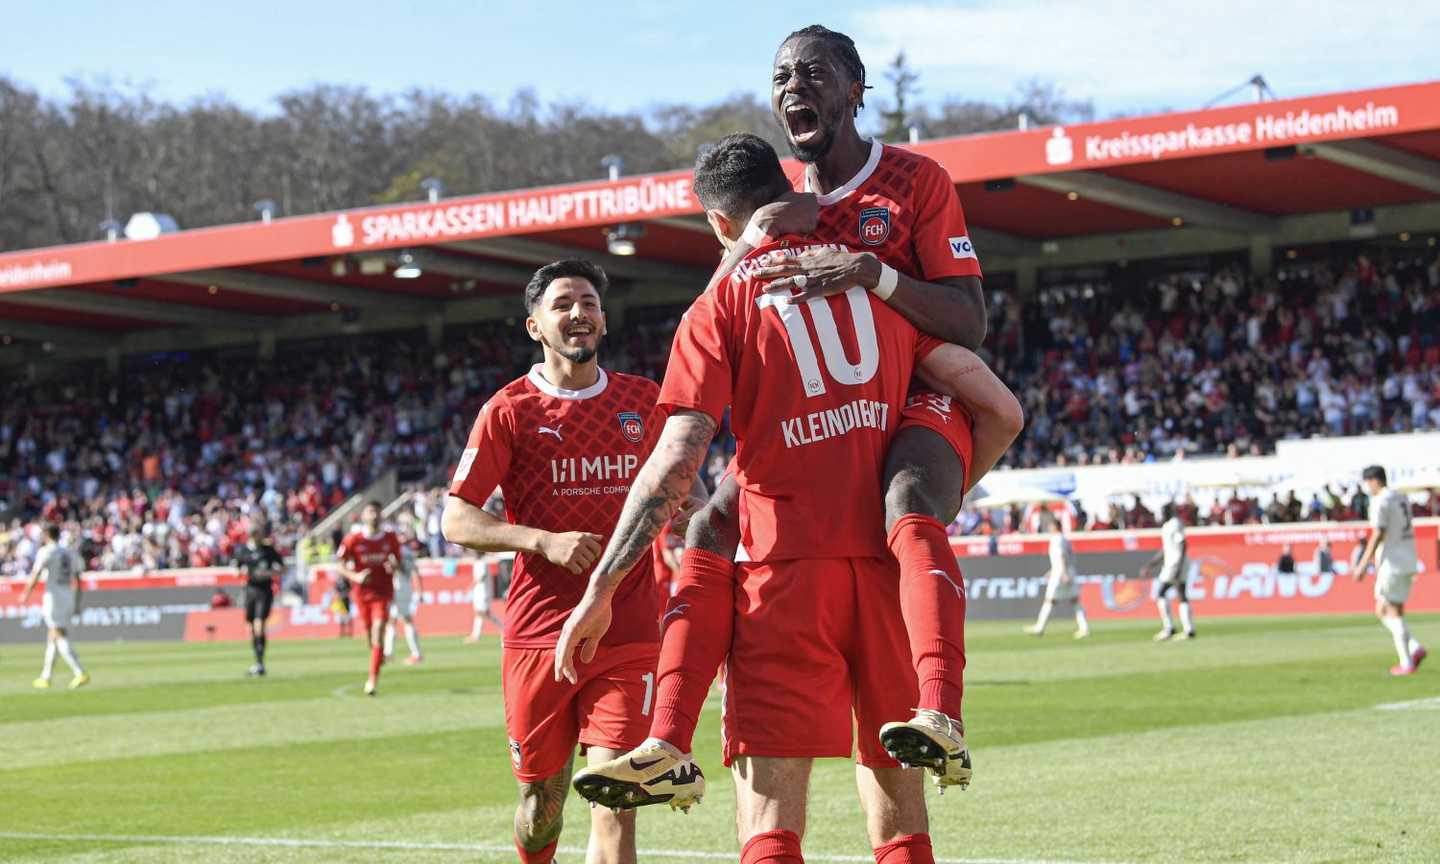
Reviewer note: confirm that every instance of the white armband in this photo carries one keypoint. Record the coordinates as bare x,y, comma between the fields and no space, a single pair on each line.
885,286
755,236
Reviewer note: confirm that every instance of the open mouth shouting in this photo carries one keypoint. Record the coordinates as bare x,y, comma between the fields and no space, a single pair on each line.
802,121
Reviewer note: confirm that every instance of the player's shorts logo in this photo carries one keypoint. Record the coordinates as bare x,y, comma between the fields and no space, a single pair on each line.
631,426
515,753
874,225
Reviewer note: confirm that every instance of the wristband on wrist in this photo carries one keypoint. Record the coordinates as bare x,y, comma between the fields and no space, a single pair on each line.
755,236
885,285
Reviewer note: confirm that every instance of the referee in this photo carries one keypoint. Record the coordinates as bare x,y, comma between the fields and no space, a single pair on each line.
261,565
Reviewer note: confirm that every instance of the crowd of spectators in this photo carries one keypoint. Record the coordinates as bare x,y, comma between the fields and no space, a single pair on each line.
1222,362
168,461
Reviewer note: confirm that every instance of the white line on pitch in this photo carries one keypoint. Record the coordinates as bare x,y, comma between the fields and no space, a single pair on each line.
1431,704
300,843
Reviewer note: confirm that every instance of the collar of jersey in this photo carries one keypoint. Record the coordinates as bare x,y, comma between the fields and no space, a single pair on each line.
560,392
839,194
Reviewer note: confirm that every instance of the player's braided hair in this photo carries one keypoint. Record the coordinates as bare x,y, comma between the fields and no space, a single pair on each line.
577,268
844,48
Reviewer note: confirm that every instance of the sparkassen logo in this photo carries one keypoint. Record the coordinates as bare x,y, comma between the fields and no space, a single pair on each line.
1060,148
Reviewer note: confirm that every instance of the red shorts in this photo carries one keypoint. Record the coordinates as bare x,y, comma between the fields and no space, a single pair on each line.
609,707
372,607
815,641
946,418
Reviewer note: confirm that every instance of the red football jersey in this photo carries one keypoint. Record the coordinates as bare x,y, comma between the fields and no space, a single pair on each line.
380,553
564,460
902,207
816,389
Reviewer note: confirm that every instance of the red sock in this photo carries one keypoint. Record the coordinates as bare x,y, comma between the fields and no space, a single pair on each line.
780,847
909,849
539,856
377,656
694,643
932,601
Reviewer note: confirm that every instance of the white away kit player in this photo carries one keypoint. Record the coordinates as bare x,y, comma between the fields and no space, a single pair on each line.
1392,547
61,568
404,607
1061,584
1174,568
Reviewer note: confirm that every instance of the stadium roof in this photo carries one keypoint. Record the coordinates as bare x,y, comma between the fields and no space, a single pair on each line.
1254,177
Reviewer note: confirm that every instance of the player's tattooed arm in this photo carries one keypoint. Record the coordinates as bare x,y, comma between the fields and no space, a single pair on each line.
663,486
716,528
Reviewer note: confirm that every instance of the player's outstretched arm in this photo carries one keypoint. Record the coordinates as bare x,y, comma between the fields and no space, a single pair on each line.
662,486
465,524
34,579
791,213
960,374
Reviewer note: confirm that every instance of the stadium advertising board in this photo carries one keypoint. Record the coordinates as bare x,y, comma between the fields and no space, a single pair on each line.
1232,571
176,605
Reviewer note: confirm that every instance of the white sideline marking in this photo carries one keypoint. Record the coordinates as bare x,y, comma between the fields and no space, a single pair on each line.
1431,704
298,843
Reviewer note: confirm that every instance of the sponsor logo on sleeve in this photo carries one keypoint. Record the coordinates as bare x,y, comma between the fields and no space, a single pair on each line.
466,460
961,247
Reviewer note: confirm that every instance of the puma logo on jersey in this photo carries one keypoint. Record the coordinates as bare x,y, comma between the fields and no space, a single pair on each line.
678,610
959,589
546,430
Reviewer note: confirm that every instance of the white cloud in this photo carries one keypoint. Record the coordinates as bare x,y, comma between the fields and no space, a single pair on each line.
1129,56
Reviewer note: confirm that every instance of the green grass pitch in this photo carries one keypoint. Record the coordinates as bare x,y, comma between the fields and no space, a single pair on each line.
1260,741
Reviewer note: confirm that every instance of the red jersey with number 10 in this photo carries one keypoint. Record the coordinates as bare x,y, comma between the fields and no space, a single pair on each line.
816,388
564,460
379,554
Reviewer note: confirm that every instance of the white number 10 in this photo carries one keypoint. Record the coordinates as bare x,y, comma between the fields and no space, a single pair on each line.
839,366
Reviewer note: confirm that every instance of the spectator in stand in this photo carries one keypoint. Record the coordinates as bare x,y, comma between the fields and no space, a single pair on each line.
1286,565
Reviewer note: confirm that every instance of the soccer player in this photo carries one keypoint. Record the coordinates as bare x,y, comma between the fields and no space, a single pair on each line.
405,606
1061,585
564,443
1174,567
261,565
60,567
902,208
1392,545
482,594
818,630
368,560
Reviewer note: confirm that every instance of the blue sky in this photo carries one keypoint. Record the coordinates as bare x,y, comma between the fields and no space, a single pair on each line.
1126,56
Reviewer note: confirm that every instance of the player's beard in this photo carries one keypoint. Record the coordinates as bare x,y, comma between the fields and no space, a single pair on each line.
581,354
814,150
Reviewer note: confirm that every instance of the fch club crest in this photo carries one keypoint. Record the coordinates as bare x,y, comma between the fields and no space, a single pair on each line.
874,225
631,426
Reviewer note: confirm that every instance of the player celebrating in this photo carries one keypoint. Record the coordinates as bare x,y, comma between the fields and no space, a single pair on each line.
368,560
405,606
1392,544
818,631
261,565
904,208
564,444
1061,585
61,568
1173,564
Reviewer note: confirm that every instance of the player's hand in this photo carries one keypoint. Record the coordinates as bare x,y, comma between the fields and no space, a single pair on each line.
587,623
791,213
820,273
361,576
573,550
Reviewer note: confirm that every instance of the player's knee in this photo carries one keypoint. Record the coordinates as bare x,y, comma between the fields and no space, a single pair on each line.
542,806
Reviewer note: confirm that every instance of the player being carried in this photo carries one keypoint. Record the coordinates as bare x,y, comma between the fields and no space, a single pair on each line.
60,567
369,559
564,444
1392,546
904,208
818,633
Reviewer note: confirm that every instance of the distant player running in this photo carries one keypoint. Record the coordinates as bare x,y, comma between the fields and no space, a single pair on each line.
60,567
368,560
1062,584
1392,546
564,443
405,607
1174,571
261,565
